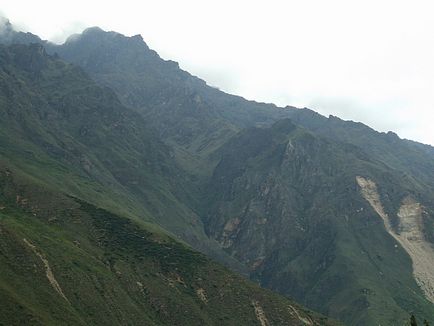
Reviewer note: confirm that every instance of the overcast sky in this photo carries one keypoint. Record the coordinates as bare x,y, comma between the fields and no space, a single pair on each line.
368,61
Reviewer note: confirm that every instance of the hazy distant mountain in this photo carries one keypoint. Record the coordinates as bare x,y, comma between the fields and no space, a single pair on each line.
329,212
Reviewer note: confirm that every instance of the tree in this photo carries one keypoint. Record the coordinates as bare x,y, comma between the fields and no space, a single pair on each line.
413,321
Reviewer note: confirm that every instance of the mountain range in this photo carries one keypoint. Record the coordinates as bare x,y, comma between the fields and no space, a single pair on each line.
127,184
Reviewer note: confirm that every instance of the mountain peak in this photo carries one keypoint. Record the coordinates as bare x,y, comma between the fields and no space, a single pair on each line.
9,35
6,29
93,29
5,25
90,31
99,34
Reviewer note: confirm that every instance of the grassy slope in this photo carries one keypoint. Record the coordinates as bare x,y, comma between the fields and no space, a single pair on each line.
112,270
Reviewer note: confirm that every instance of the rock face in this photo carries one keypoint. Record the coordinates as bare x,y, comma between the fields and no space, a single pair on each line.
370,193
410,234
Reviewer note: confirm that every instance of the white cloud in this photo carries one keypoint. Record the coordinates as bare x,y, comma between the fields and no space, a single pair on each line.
369,61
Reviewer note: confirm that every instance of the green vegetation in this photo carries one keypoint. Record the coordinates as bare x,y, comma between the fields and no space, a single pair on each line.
285,202
108,173
111,270
67,132
84,186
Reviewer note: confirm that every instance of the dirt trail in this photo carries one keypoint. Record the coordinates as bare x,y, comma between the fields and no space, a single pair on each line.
260,314
410,236
202,295
48,271
304,320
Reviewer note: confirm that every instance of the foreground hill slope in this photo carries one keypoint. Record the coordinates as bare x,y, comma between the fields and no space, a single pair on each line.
66,262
